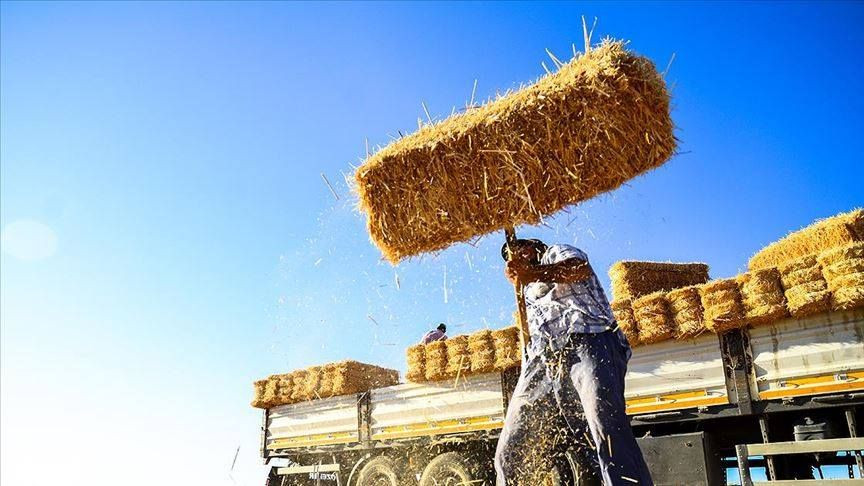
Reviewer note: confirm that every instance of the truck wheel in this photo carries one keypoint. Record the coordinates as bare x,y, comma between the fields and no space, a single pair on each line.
380,471
449,469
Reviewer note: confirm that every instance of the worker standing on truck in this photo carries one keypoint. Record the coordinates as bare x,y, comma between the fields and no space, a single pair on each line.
572,378
437,334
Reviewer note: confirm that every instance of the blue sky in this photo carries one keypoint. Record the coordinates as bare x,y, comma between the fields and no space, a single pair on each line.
168,238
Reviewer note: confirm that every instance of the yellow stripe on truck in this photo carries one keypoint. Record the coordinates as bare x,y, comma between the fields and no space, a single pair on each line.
439,428
313,440
674,401
816,385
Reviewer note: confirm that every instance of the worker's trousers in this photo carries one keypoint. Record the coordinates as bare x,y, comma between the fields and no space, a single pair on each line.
571,399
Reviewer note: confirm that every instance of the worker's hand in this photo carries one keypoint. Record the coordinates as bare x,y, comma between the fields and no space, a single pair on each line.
516,270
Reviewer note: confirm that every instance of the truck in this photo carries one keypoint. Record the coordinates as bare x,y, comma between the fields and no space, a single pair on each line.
781,400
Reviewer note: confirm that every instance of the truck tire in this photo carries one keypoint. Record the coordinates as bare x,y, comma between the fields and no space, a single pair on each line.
380,471
449,469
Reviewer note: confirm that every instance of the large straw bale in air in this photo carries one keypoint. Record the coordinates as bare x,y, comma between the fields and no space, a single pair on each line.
634,279
843,269
685,306
762,296
653,317
804,286
840,230
436,360
507,348
416,357
721,303
600,120
458,358
482,350
623,312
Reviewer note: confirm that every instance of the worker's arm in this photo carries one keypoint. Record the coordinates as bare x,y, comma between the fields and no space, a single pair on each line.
567,271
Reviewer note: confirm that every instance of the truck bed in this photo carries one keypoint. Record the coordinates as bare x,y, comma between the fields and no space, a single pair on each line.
790,358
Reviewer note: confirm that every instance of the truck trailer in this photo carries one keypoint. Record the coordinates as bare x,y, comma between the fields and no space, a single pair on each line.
778,400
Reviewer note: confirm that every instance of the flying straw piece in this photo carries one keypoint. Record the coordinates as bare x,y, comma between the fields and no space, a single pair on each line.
331,187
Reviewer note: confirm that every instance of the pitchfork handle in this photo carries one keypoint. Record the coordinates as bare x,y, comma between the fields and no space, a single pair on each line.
522,314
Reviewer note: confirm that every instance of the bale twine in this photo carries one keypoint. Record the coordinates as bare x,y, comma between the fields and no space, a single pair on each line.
482,350
259,387
436,360
416,357
762,296
653,317
686,309
634,279
623,312
840,230
600,120
721,304
507,352
804,286
843,269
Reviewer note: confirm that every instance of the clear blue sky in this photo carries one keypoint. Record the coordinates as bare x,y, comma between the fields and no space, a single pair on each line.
167,236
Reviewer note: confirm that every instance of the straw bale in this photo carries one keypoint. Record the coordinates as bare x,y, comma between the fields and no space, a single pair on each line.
482,350
623,312
600,120
653,317
436,360
808,298
313,379
284,387
633,279
349,377
839,254
762,296
507,349
843,267
722,306
416,357
259,387
839,230
298,385
272,395
848,297
458,357
686,309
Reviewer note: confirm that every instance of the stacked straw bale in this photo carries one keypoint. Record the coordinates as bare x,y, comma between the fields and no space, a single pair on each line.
653,318
804,286
482,349
508,353
634,279
298,386
458,358
685,306
722,306
258,400
843,269
334,379
623,312
840,230
762,296
416,357
599,121
436,360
